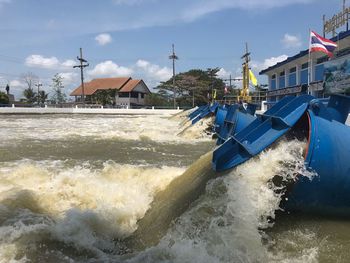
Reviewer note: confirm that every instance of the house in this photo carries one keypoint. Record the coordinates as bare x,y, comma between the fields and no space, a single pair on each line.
291,76
123,91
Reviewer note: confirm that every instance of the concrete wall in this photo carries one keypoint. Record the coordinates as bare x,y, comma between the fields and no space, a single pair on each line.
127,101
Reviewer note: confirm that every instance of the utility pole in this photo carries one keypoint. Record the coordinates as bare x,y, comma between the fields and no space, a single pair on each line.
245,89
230,79
38,85
174,57
82,66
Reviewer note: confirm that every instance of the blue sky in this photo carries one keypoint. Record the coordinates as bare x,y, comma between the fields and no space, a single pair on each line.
134,37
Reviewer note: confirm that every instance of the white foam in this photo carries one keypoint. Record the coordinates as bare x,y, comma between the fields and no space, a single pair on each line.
53,127
225,224
79,206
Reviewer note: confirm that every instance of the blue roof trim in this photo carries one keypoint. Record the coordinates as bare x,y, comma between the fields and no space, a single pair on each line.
341,35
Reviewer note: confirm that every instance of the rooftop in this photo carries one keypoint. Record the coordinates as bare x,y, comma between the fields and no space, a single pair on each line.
101,84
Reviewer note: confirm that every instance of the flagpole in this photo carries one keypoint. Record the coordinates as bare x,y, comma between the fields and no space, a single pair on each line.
309,64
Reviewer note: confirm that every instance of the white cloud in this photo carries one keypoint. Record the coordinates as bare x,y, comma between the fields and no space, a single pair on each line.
110,69
17,84
69,78
268,62
103,39
290,41
223,74
41,62
69,63
153,71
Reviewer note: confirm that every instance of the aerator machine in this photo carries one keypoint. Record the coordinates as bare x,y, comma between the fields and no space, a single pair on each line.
327,153
202,112
232,119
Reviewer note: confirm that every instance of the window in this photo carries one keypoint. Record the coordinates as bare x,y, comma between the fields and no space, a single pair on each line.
292,77
123,95
304,73
134,95
319,69
273,81
282,80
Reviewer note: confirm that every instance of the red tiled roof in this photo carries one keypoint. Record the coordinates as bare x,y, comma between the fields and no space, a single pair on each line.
100,84
130,85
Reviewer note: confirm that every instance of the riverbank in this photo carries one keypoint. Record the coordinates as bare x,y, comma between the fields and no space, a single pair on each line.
76,110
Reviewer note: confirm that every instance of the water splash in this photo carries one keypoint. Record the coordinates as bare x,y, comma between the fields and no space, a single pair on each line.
57,127
226,223
78,207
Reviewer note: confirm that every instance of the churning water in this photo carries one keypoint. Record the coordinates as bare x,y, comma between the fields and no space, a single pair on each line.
124,189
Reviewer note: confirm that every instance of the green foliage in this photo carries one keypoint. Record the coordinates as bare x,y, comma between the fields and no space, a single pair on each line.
30,79
57,85
195,83
42,96
4,99
30,95
158,99
104,96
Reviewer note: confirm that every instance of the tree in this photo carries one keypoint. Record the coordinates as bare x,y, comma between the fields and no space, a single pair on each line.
30,95
30,79
194,84
158,99
4,99
57,86
105,96
42,96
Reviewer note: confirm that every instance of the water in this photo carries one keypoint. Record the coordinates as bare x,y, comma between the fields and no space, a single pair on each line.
75,187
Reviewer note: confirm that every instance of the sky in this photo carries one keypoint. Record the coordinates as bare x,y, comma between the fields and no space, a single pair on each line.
134,37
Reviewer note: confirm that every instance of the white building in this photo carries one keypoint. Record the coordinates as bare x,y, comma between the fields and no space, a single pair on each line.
290,77
125,92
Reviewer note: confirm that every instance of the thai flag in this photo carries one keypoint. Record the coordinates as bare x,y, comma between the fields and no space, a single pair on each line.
321,44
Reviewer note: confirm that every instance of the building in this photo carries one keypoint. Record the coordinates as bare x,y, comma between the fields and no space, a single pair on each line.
290,77
120,92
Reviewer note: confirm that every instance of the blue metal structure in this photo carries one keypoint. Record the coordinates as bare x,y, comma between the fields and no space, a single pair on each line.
220,117
205,111
328,154
260,134
237,118
196,112
328,151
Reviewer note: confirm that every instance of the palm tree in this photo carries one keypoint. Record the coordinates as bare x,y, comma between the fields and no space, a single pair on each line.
42,96
30,95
